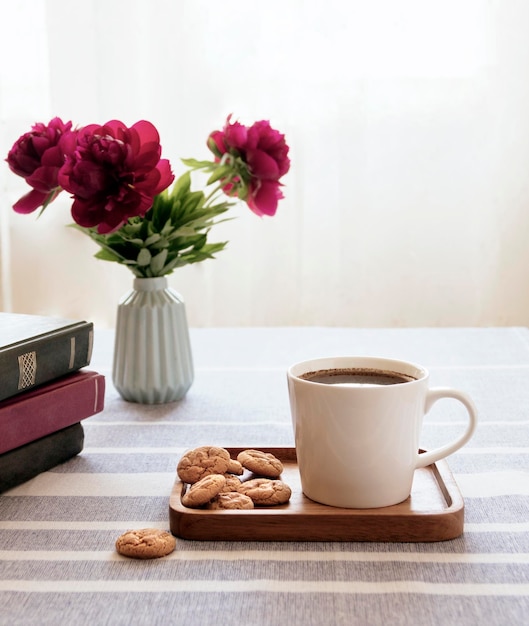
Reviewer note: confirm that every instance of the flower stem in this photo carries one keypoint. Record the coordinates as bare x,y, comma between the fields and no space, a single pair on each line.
210,196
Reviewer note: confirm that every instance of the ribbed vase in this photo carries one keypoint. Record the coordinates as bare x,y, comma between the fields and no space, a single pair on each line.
153,362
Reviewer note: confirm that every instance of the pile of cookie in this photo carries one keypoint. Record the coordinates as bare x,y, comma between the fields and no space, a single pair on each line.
212,479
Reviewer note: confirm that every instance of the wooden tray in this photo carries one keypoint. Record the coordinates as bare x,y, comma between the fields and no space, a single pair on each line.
433,512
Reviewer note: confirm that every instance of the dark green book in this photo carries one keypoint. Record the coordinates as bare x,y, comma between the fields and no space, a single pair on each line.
36,349
19,465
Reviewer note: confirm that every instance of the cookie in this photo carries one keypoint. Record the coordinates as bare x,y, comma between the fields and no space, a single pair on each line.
231,500
261,463
203,461
146,543
204,490
232,483
265,491
235,467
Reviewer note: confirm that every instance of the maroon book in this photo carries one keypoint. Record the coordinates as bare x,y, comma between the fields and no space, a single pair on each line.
50,407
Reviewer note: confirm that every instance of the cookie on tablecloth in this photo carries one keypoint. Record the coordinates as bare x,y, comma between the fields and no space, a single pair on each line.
146,543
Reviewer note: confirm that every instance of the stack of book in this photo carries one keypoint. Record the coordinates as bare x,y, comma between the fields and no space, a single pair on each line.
45,392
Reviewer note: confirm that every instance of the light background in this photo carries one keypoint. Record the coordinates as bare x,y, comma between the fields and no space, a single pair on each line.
407,203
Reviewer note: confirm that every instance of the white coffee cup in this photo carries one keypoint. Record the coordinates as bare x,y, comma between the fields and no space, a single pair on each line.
358,444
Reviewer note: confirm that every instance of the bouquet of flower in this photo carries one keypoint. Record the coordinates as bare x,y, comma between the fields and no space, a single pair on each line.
119,185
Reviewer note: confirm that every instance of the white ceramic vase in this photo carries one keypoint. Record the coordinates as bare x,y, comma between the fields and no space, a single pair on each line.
153,362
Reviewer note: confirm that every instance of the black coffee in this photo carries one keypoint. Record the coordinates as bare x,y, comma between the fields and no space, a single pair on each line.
357,377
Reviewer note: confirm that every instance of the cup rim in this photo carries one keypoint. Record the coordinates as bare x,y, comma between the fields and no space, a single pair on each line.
399,366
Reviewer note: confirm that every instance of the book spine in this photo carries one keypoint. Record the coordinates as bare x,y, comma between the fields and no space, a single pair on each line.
19,465
49,408
46,358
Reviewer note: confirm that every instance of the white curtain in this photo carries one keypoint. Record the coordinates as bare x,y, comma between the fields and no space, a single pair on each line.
407,203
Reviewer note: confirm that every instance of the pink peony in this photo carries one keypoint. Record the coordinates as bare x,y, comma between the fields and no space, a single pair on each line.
114,174
263,197
266,151
260,159
37,156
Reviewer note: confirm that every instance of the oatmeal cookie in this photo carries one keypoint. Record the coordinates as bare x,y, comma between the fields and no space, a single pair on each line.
235,467
261,463
265,491
204,490
231,500
232,483
146,543
202,461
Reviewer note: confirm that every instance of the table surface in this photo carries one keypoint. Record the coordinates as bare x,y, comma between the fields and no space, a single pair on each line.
57,531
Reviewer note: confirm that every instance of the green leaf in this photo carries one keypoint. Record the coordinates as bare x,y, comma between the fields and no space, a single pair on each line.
49,198
107,255
184,231
218,173
160,211
167,228
144,257
194,200
130,230
197,165
181,187
152,239
163,242
157,263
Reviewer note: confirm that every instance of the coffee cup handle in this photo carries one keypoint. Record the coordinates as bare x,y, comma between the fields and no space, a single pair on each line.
439,393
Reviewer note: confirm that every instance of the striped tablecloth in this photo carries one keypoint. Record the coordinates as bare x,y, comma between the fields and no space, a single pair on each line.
57,531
